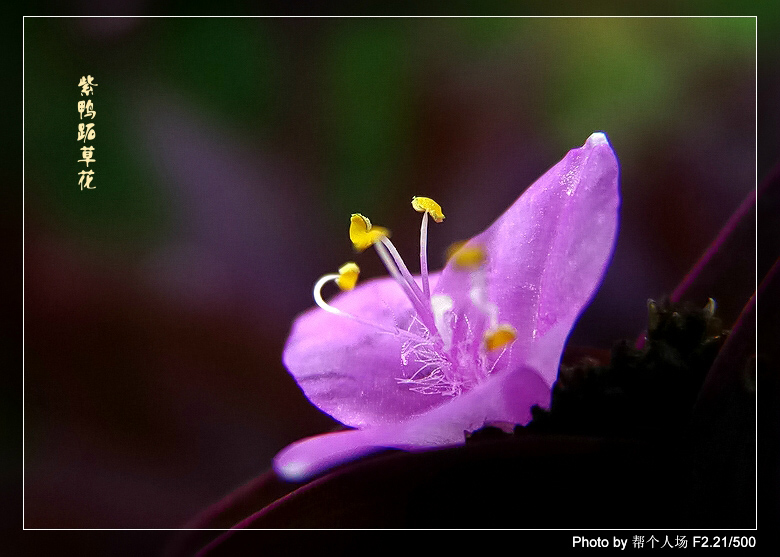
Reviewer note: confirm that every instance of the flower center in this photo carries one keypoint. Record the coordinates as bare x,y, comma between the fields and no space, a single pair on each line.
450,346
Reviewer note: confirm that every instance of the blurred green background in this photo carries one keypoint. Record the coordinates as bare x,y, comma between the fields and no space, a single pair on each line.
229,155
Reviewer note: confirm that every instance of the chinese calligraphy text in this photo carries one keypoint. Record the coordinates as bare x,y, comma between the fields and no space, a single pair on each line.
86,131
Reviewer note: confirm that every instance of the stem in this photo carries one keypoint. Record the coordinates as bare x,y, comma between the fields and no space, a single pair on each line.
395,265
335,311
424,258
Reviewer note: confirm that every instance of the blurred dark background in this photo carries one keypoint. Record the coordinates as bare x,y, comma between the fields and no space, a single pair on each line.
229,155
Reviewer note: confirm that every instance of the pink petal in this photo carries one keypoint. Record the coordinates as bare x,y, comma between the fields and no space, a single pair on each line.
349,369
508,397
548,252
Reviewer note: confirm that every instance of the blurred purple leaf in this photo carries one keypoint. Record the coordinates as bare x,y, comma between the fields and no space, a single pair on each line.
238,209
727,270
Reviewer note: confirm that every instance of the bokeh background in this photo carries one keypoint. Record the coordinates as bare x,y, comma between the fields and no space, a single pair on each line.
229,155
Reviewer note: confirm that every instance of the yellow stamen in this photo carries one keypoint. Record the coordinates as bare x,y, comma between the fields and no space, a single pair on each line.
348,276
428,205
362,234
500,337
467,257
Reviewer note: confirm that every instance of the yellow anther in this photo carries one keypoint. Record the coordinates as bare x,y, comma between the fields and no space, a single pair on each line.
467,257
348,276
499,337
428,205
362,234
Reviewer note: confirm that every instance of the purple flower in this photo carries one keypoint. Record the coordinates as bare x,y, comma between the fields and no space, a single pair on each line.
415,361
